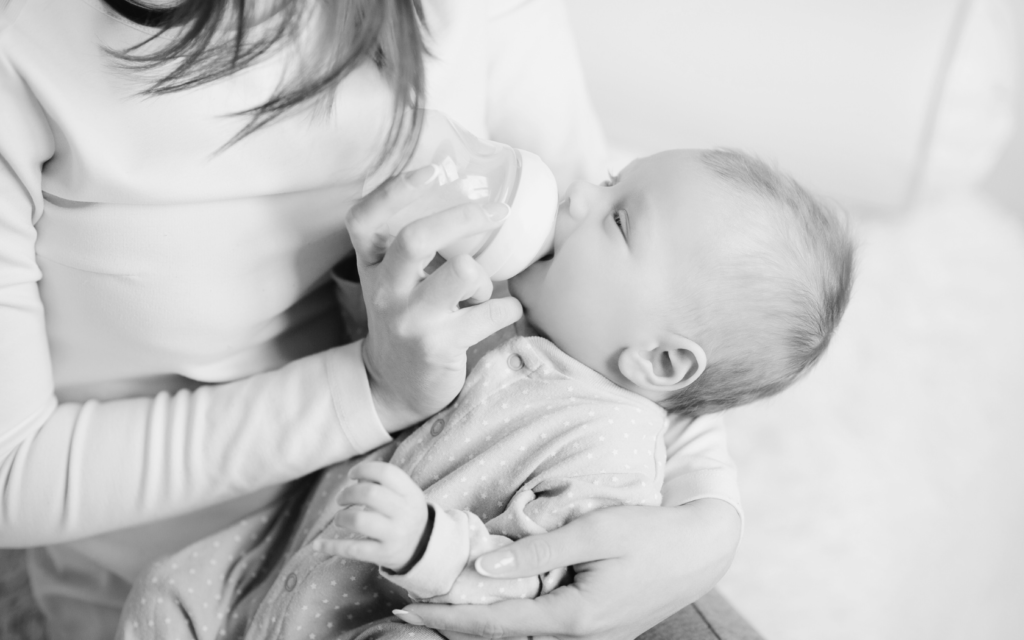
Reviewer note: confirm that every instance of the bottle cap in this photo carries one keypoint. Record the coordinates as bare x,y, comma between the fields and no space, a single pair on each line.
527,233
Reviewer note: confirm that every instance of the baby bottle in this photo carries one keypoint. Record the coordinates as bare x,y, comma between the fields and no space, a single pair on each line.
474,170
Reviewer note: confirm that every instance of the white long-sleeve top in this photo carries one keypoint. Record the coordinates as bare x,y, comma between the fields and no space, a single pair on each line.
166,331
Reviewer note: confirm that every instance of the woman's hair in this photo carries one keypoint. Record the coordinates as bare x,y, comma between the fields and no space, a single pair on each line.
200,41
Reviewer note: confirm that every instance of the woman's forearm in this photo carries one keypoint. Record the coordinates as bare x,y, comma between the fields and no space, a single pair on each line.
88,468
635,566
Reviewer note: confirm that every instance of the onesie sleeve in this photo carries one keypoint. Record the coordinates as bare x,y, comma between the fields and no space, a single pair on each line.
699,465
71,470
537,97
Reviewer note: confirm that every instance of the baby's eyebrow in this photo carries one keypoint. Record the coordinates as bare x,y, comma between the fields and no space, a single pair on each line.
636,204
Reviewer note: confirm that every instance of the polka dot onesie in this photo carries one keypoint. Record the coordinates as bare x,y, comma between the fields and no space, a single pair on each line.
534,440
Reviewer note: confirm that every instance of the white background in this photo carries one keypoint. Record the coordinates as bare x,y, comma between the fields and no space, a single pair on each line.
885,492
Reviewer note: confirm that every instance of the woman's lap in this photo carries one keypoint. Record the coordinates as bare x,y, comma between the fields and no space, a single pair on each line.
215,587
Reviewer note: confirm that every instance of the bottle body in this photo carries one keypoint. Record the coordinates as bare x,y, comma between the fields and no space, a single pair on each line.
474,170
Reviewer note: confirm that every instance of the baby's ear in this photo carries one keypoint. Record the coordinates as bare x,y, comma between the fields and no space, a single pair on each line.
673,364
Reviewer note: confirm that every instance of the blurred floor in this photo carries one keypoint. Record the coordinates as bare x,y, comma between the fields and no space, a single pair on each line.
885,493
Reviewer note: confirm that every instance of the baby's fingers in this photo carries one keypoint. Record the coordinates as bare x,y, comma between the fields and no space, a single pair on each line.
374,497
363,550
387,475
365,523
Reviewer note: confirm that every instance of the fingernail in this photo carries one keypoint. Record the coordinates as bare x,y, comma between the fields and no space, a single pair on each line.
422,176
497,211
408,618
493,564
317,545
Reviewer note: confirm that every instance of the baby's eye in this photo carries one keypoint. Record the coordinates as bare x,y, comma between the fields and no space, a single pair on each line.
622,222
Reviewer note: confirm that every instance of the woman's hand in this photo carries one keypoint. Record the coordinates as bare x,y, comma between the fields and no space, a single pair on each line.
635,566
415,351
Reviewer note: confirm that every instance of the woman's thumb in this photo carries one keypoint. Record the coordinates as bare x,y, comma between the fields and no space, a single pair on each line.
526,557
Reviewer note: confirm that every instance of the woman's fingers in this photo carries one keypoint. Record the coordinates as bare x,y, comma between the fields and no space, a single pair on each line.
420,240
461,278
455,635
367,222
478,322
582,540
657,559
557,613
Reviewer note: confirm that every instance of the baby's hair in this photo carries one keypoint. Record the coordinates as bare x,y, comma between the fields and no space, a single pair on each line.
779,292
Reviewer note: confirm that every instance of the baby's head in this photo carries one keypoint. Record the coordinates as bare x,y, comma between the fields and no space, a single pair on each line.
699,279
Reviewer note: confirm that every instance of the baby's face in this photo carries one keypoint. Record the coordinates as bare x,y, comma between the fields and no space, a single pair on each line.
625,254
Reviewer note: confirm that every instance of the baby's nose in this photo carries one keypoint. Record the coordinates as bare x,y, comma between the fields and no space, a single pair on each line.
576,197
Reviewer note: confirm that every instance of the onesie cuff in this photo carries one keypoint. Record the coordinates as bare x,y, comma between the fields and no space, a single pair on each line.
353,403
443,561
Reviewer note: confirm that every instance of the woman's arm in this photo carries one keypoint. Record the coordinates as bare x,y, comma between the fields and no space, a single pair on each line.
71,470
634,567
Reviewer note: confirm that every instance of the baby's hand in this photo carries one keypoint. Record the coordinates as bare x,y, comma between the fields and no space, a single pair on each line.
386,507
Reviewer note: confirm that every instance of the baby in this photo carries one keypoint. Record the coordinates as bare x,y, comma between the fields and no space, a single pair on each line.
692,282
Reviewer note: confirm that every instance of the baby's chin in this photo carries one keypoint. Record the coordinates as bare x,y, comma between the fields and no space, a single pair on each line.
526,286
